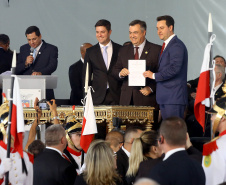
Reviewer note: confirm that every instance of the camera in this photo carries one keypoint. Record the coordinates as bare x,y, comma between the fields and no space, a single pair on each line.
42,104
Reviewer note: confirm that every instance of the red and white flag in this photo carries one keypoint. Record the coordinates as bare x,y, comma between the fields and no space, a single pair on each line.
17,120
89,126
203,91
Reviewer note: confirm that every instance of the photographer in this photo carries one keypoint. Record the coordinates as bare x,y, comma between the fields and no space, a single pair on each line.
53,110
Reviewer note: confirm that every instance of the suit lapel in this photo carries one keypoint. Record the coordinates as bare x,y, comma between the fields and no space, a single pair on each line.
40,51
167,47
145,51
100,57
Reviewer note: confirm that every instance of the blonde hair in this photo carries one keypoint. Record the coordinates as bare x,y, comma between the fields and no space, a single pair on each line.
100,164
140,147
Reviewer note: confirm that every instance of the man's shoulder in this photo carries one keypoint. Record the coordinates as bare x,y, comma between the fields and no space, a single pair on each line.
153,45
47,45
116,44
76,65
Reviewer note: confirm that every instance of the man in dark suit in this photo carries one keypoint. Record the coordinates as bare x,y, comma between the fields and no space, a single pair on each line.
171,78
37,57
50,167
75,77
124,152
6,55
177,167
134,95
101,59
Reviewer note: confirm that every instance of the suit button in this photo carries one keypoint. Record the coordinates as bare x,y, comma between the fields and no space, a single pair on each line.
15,175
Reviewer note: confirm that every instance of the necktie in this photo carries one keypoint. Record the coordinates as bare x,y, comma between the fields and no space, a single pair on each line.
105,55
163,46
136,56
34,54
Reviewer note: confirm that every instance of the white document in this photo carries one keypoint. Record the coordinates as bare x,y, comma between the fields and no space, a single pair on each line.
136,70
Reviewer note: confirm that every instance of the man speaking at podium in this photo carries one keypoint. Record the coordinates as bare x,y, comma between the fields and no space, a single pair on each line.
37,57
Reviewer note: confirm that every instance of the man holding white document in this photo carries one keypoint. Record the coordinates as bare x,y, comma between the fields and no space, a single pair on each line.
133,60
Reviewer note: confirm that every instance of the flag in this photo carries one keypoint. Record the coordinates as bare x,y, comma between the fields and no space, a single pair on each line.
89,127
17,120
203,89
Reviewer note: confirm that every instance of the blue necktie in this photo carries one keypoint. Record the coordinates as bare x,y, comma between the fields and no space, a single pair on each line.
105,55
34,55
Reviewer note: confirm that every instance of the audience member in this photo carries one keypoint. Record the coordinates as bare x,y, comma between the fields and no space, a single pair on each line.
147,165
140,48
101,59
171,78
143,148
73,151
75,77
100,166
50,167
6,55
36,147
177,167
20,169
124,152
214,152
37,57
194,128
115,139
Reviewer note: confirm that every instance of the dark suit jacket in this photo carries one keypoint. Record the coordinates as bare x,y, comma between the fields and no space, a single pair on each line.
75,78
5,60
178,169
100,74
45,62
150,54
146,166
51,168
122,164
171,77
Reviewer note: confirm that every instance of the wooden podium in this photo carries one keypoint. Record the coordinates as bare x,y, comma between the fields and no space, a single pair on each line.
129,114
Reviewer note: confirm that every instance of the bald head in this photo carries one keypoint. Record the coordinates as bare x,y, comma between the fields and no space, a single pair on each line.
115,138
83,48
146,181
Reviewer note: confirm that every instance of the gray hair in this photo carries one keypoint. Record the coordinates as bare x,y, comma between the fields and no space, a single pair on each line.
53,134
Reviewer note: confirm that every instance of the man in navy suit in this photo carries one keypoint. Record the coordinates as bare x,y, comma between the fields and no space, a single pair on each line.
171,78
177,167
101,59
37,57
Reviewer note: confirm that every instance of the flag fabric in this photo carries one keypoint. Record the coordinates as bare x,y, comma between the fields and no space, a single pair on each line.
17,120
89,127
203,89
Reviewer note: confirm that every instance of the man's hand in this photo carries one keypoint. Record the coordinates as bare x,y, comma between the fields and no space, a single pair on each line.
53,107
36,73
29,60
146,91
148,74
6,165
124,72
38,110
193,95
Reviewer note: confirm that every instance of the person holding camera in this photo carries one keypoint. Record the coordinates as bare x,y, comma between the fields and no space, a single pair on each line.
53,109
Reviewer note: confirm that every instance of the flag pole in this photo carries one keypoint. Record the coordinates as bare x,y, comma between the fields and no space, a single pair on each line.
13,69
210,32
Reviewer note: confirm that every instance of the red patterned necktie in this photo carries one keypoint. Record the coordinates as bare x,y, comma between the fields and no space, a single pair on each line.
163,46
136,56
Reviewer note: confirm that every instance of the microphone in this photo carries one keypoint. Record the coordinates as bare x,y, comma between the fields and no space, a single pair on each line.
32,51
